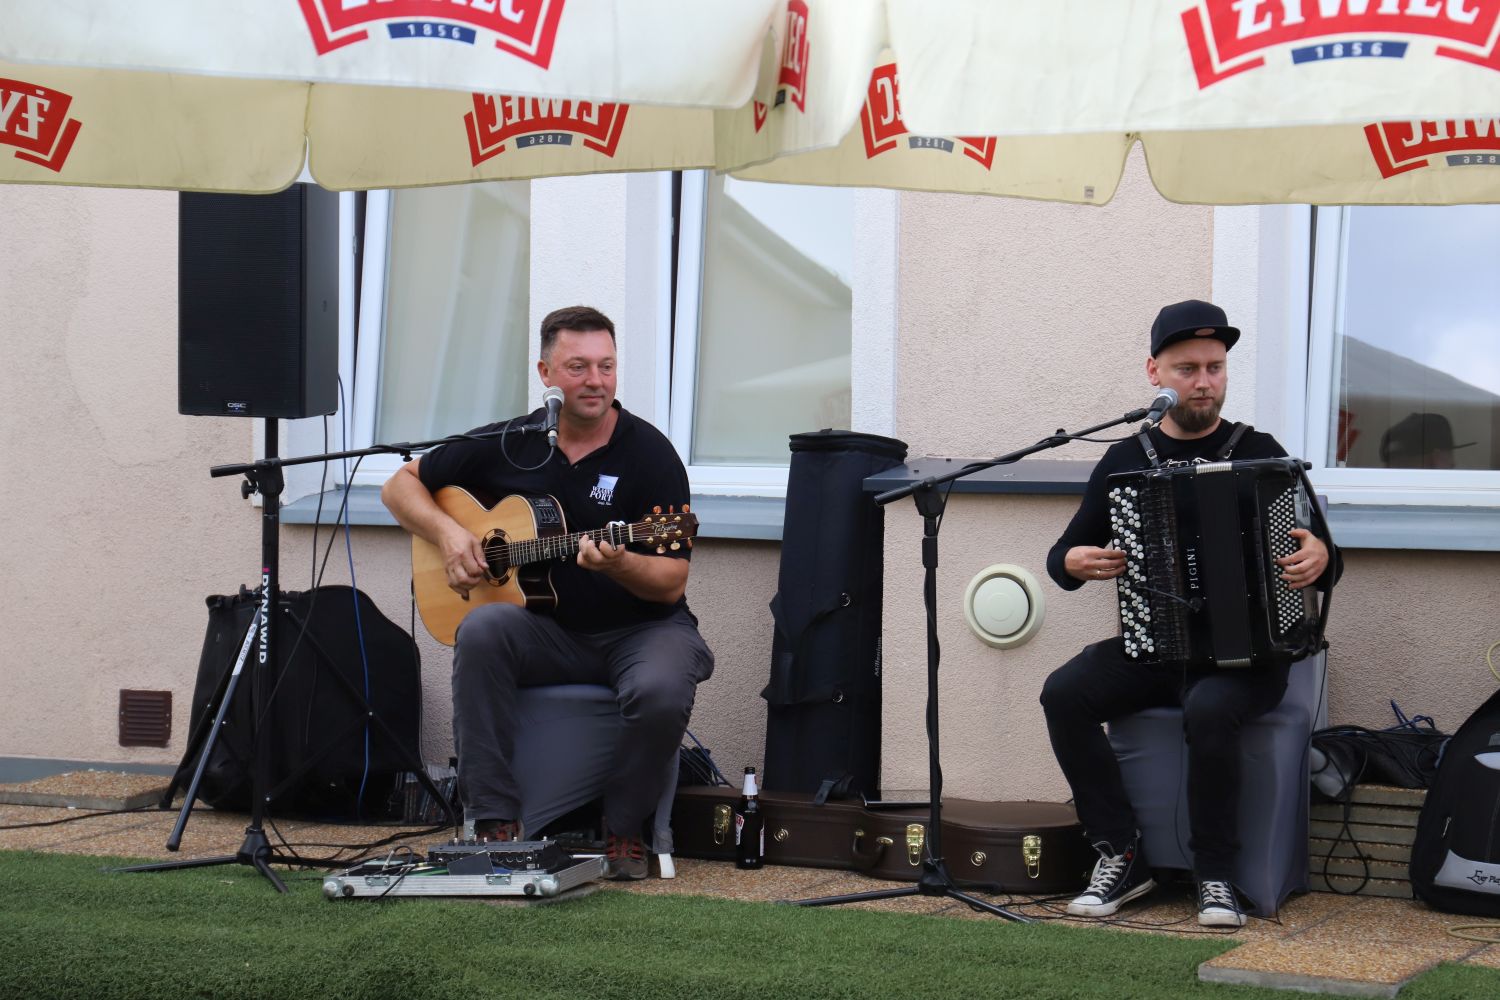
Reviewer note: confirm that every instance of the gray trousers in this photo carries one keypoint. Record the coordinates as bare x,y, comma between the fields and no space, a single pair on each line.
654,668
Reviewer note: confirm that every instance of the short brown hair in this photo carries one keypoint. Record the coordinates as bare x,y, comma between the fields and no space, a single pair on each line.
580,319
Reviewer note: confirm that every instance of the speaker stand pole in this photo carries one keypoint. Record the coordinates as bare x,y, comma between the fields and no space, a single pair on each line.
935,879
265,478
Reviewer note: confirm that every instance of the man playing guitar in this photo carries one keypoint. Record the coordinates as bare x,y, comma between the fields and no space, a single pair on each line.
620,615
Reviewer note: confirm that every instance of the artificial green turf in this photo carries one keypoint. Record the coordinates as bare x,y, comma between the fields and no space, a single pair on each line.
69,930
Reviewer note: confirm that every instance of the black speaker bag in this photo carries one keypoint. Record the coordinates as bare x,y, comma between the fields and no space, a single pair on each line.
317,726
823,699
1455,859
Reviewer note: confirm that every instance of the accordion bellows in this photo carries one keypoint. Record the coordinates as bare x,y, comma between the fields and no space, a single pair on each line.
1201,586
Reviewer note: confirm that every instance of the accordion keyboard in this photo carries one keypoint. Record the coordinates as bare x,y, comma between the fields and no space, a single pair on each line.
1150,613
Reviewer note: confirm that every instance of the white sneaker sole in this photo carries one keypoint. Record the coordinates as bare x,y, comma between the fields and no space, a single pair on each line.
1221,918
1077,909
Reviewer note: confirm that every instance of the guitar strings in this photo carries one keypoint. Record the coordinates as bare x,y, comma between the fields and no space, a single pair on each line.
539,549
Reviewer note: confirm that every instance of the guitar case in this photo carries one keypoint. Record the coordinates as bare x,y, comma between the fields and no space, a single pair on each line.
1031,848
334,753
823,699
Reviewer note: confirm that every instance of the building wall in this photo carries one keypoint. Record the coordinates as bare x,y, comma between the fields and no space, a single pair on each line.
1017,318
113,531
1010,319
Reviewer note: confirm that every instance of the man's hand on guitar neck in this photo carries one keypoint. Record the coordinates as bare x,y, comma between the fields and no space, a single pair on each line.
647,577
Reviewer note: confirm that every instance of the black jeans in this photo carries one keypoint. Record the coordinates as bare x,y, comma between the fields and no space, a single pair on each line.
1100,684
654,667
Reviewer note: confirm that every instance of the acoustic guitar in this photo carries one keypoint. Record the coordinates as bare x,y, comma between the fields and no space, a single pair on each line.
521,535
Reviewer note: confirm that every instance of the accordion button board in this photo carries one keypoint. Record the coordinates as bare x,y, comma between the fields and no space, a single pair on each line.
1201,586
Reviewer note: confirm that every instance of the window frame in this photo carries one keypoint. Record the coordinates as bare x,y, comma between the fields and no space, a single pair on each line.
1390,487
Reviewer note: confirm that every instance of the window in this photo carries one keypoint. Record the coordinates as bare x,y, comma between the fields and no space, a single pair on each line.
1404,354
444,318
763,331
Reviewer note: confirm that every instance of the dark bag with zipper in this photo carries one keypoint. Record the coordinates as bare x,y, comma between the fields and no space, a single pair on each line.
823,699
1455,859
330,756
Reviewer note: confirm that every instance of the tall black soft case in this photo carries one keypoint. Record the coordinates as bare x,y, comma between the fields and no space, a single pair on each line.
1455,859
823,699
329,757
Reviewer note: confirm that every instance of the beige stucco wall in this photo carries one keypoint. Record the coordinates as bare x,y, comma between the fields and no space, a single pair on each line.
1017,318
113,530
1013,318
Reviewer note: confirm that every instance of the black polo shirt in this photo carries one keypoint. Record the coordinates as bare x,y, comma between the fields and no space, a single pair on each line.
638,469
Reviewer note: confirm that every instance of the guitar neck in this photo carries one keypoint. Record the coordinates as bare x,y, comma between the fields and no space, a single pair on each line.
535,550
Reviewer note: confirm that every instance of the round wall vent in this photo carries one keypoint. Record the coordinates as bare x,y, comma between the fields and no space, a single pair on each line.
1003,605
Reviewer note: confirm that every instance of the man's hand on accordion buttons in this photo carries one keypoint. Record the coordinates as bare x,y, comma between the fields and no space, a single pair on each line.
1089,562
1303,567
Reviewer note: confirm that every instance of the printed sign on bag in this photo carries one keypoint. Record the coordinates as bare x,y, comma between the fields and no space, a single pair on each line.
34,120
525,28
1228,37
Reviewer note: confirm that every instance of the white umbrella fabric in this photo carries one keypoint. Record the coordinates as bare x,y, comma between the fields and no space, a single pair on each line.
1234,101
229,95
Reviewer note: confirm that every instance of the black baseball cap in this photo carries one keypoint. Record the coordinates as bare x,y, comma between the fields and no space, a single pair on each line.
1183,320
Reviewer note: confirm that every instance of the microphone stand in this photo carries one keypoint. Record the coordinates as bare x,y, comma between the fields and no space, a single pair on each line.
935,879
265,477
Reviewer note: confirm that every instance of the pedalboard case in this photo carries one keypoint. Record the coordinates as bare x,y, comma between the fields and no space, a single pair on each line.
525,868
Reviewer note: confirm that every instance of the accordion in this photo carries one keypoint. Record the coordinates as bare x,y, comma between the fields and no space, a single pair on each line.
1201,586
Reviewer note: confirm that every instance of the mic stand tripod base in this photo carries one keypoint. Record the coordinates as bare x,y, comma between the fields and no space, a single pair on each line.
935,881
255,851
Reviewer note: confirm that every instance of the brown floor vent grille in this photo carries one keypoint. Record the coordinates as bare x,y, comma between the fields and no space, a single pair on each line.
145,718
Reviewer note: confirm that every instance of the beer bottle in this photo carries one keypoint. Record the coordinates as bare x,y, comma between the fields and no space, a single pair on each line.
749,826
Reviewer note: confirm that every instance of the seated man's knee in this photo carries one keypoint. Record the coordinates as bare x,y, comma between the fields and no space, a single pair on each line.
1059,692
489,624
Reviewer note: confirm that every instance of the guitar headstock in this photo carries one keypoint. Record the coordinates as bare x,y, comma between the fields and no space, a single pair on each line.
670,530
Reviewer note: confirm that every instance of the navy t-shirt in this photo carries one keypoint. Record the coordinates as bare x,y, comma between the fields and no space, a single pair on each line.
637,469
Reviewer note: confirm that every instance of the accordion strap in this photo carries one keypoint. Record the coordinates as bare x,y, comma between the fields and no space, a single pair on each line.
1234,439
1144,437
1240,430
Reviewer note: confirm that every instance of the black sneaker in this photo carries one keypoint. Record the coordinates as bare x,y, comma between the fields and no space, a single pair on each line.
627,859
1117,879
1218,906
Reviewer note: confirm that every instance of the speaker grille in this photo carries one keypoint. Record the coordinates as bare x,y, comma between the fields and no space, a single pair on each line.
257,296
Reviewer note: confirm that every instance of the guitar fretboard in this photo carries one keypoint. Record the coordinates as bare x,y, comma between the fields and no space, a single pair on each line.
535,550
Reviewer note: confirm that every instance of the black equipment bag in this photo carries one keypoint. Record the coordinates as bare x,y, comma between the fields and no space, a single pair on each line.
335,752
823,699
1455,859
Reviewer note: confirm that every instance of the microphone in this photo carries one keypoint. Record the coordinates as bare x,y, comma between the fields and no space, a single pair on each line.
1166,398
553,400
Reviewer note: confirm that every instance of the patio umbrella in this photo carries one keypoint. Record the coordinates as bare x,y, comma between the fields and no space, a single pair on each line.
1234,101
226,96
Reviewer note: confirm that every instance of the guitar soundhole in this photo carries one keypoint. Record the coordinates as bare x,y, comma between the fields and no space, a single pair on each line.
496,558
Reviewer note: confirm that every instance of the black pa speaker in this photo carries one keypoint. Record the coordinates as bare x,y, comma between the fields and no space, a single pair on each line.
257,303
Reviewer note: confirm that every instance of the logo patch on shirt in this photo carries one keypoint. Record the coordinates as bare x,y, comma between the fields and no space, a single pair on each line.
604,489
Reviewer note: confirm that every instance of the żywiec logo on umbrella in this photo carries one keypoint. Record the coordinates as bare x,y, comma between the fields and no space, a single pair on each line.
34,119
1399,147
880,121
791,82
527,28
540,121
1226,37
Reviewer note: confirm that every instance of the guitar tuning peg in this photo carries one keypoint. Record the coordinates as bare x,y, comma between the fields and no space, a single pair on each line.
670,508
675,546
685,508
656,509
660,550
688,543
